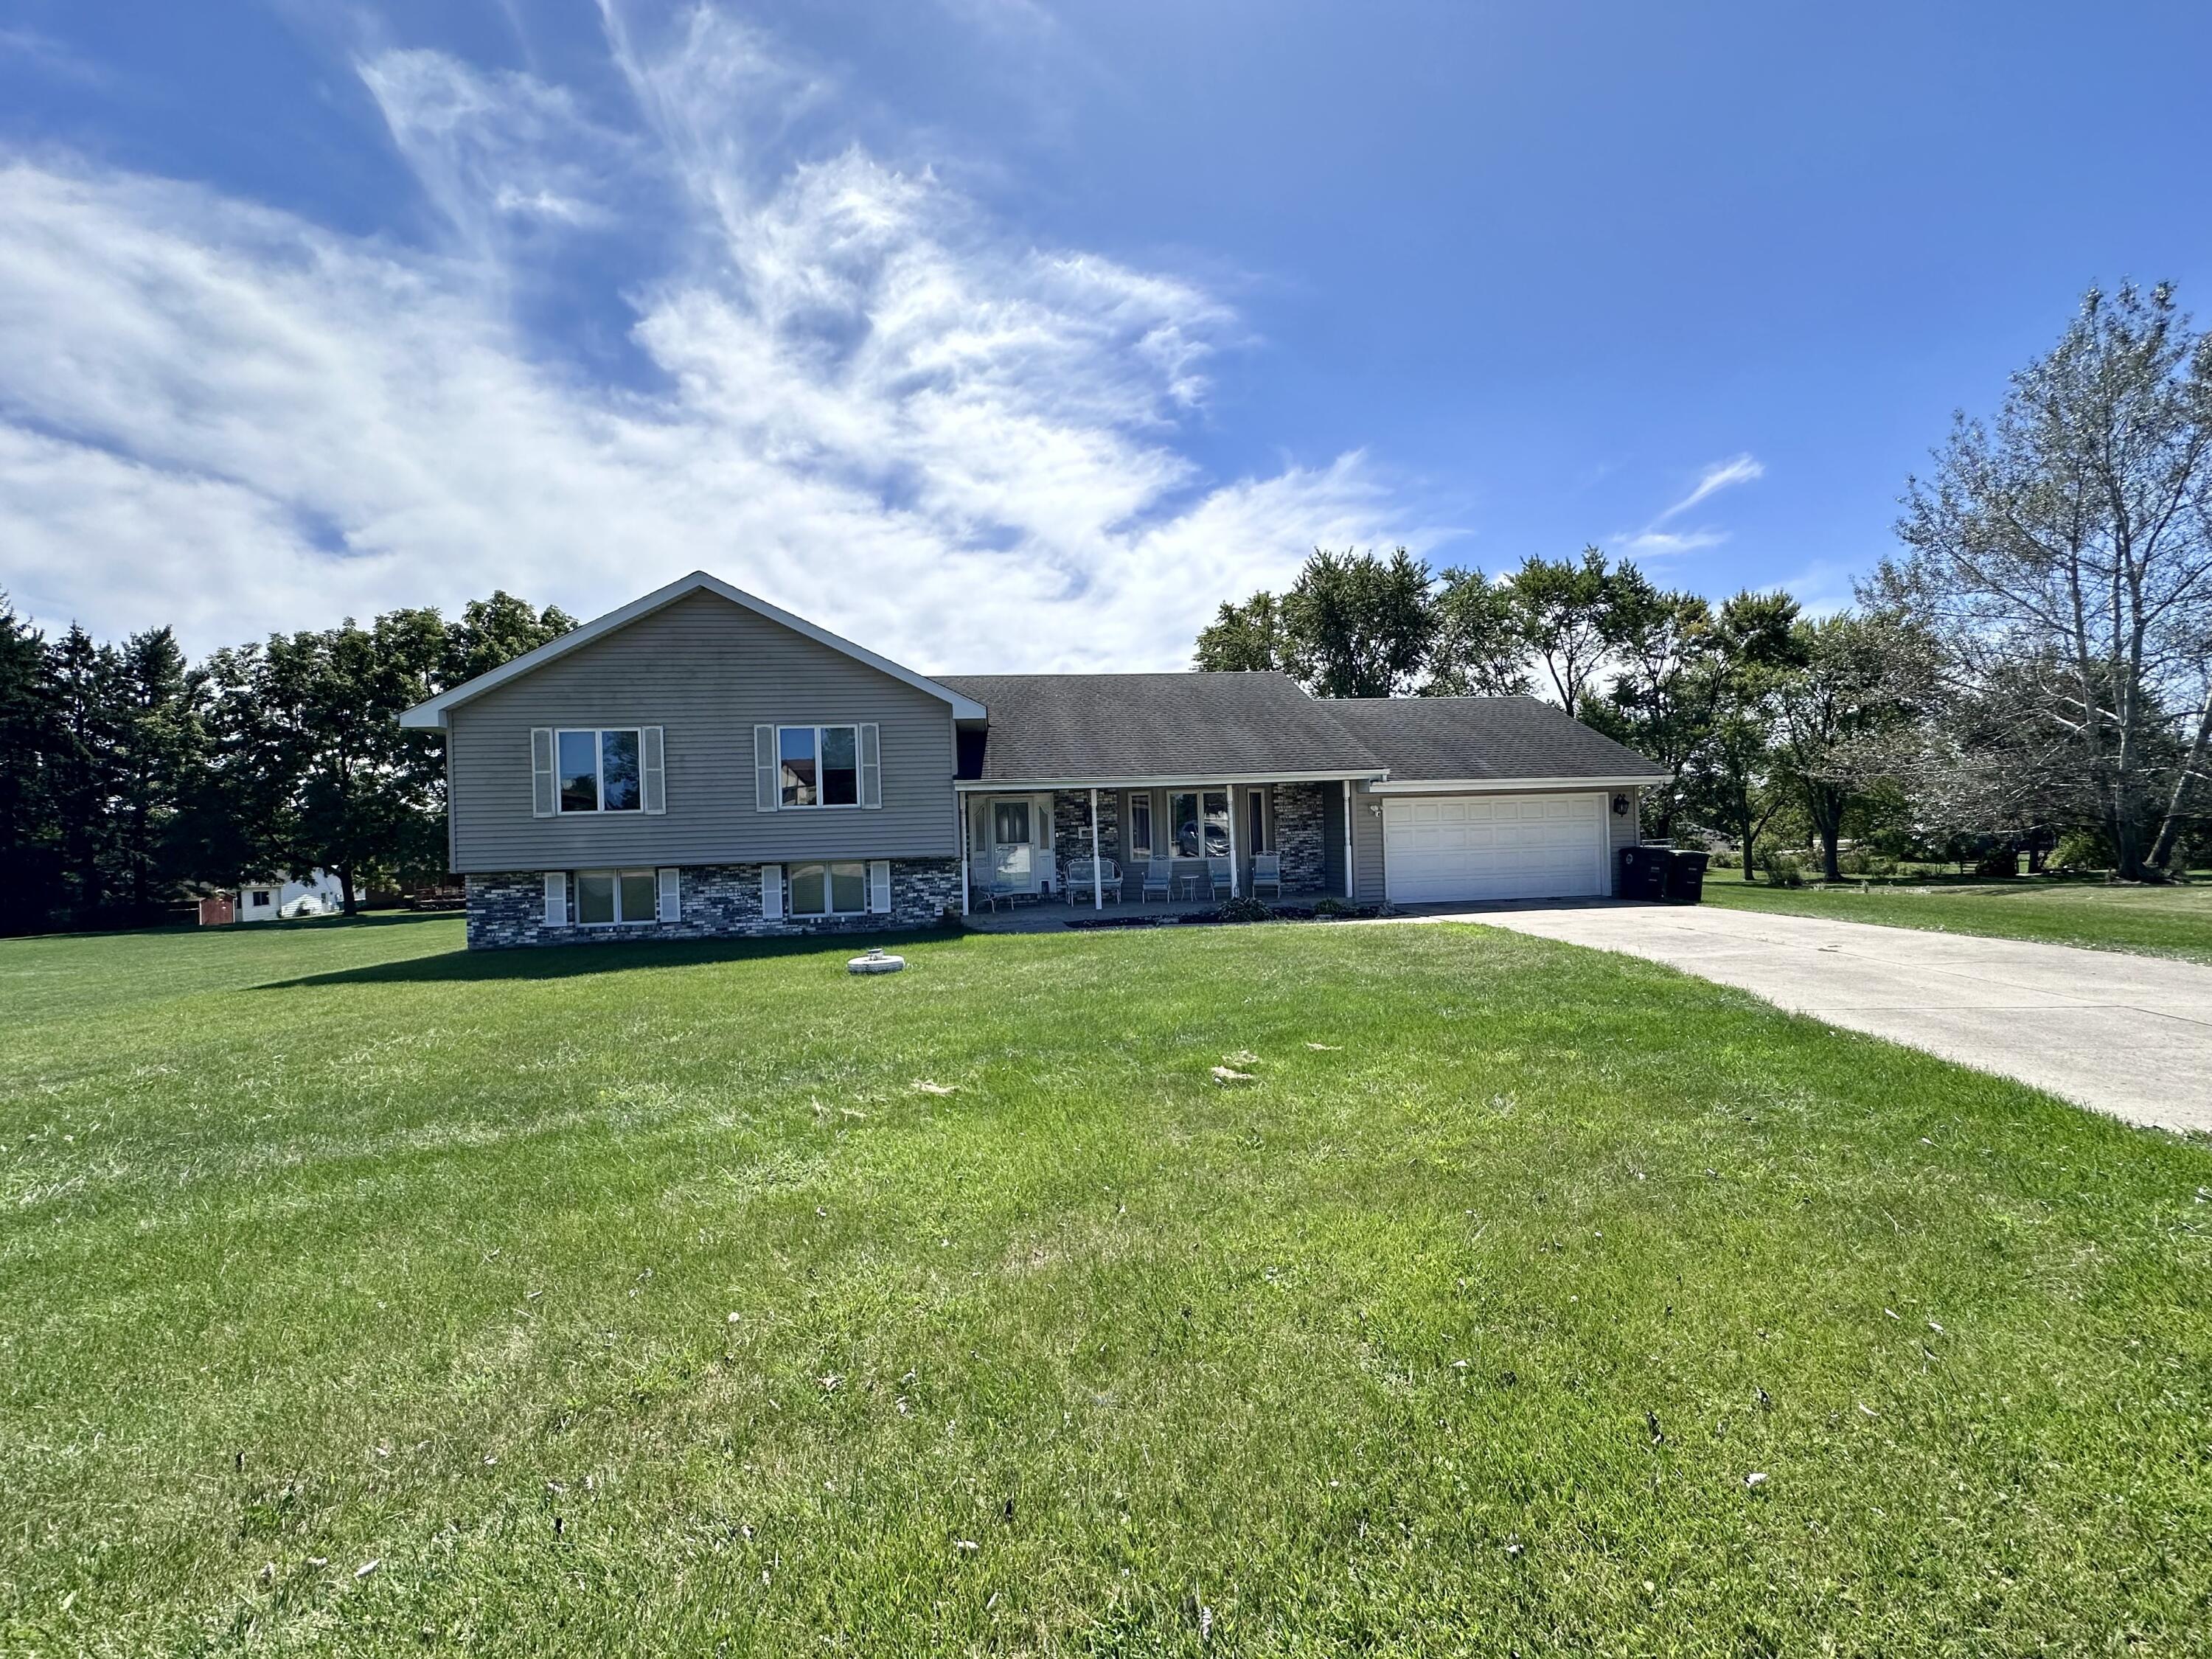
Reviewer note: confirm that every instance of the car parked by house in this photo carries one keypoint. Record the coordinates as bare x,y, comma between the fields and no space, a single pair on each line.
703,764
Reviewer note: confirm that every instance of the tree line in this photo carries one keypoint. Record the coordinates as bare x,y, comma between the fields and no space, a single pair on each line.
130,775
2034,662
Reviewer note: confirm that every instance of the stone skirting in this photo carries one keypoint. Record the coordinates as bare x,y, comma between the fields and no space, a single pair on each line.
718,901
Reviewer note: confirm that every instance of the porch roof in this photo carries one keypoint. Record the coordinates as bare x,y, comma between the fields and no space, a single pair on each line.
1123,729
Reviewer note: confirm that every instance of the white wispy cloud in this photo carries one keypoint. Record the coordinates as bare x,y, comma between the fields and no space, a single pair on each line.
1721,475
1653,542
863,398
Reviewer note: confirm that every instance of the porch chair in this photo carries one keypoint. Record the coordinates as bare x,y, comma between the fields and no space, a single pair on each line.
995,890
1159,878
1217,876
1268,872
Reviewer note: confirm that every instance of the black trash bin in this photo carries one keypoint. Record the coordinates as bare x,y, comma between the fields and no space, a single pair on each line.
1644,872
1685,877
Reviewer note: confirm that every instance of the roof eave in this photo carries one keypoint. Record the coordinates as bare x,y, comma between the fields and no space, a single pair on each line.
1172,780
1479,786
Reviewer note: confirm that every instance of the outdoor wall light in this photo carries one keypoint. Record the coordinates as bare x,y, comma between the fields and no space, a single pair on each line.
1620,806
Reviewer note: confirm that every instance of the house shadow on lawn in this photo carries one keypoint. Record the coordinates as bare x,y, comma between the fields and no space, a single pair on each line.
553,962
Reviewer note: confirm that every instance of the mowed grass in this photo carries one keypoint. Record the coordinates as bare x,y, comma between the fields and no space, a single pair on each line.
639,1300
2163,921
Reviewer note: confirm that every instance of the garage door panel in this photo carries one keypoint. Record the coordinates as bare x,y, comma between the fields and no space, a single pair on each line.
1442,848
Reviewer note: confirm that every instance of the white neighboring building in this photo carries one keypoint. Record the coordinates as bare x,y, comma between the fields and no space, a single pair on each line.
287,897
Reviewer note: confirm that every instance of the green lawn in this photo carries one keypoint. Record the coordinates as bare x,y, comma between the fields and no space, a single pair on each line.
637,1300
2166,922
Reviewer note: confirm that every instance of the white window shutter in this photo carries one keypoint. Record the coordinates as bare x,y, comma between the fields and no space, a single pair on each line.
672,894
650,764
543,802
879,887
768,771
872,766
556,898
771,892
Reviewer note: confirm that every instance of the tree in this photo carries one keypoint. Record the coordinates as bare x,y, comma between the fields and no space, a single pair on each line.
30,869
1564,610
1243,638
2061,556
1357,625
81,765
1829,716
490,633
1733,775
158,741
1660,702
1478,649
1352,625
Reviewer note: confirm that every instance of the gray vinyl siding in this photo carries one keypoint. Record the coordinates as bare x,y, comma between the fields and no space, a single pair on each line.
706,672
1366,846
1626,831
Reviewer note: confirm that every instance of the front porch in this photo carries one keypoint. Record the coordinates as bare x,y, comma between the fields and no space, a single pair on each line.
1204,841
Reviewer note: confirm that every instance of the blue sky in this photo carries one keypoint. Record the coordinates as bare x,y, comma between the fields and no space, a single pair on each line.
1005,334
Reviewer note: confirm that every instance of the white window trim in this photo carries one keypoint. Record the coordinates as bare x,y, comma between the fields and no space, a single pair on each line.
859,792
1227,791
790,909
561,809
576,896
1266,797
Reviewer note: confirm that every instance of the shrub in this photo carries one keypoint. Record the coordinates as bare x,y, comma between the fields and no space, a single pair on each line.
1332,907
1726,861
2080,851
1999,863
1782,869
1245,908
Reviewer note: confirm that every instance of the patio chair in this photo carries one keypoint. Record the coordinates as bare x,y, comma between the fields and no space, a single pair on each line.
1217,876
1075,883
1268,872
996,891
1159,870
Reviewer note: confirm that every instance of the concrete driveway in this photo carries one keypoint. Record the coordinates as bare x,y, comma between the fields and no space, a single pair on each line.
2131,1035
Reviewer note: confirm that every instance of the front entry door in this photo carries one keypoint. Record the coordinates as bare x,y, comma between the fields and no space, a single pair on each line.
1010,848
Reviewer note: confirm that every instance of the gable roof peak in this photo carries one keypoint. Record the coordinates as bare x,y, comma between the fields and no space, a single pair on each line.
432,713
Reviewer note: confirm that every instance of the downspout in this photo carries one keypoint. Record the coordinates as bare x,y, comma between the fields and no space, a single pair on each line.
1097,882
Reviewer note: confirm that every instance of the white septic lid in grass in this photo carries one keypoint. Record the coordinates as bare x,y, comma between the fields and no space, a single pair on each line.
875,963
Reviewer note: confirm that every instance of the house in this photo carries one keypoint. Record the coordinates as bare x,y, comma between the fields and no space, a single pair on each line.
701,764
272,898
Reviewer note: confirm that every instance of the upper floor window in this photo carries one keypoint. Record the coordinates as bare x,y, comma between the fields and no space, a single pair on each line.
819,765
599,770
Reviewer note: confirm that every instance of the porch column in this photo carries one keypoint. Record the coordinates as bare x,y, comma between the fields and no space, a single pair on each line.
1347,838
1231,789
961,808
1097,883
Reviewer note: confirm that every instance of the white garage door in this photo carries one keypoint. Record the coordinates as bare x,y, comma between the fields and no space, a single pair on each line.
1442,847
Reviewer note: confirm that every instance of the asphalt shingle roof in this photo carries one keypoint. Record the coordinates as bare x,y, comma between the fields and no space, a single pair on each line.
1053,727
1475,738
1069,727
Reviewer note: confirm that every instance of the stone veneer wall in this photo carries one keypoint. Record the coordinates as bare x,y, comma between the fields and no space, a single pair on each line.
1071,830
1300,837
719,901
